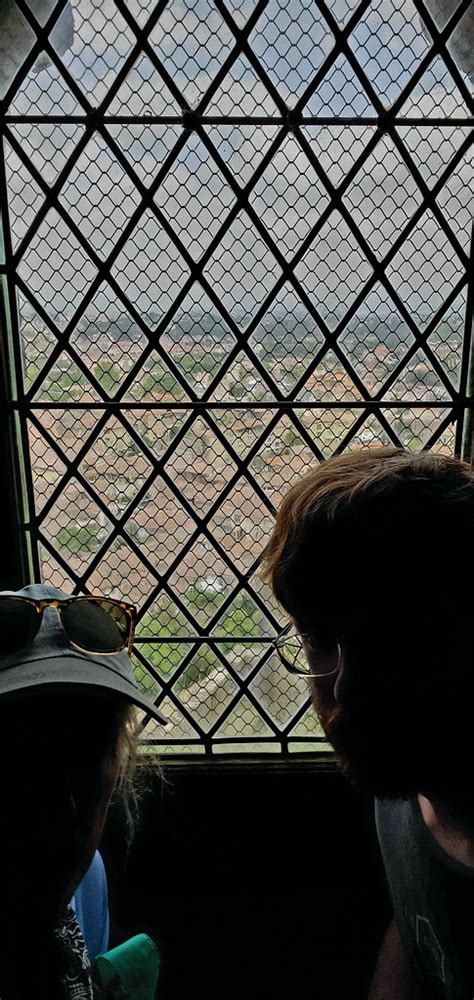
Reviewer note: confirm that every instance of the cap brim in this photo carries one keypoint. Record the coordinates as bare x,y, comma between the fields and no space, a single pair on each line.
70,673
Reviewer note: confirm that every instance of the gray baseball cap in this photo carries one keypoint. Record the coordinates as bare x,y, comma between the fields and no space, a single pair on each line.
49,664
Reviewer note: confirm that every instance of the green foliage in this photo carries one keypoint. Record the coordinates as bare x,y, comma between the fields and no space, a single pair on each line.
169,657
203,663
291,437
200,361
203,598
79,537
32,371
156,381
108,374
241,619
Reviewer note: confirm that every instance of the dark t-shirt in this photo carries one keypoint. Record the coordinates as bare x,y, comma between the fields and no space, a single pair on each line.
433,902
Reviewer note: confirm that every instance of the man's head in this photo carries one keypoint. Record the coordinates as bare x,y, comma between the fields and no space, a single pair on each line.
373,550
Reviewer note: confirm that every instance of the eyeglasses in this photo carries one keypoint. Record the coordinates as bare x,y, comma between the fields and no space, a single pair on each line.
290,649
92,624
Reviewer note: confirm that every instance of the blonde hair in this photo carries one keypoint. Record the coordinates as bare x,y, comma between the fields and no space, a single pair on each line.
137,771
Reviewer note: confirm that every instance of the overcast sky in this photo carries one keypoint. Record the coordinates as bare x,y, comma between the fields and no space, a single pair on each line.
192,41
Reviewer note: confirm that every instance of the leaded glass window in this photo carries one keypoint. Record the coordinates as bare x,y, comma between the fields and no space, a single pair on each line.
236,239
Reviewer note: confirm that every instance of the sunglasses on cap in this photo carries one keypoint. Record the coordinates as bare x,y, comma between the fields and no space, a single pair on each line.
92,624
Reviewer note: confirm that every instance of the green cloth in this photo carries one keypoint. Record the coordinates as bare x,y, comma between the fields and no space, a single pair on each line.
137,962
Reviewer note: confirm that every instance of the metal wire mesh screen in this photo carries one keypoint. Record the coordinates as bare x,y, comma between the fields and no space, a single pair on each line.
236,241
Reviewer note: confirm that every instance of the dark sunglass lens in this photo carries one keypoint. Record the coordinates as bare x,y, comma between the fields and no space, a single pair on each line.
19,623
96,626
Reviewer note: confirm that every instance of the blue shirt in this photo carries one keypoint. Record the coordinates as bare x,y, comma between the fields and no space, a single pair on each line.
91,906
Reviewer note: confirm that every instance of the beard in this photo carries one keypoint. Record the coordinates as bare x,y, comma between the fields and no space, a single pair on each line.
347,730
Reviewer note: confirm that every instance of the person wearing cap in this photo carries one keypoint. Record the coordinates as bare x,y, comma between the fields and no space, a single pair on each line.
68,730
368,558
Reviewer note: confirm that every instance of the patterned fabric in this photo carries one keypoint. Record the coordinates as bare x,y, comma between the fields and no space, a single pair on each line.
73,961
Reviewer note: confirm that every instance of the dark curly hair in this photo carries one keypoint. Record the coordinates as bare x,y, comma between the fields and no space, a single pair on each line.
375,548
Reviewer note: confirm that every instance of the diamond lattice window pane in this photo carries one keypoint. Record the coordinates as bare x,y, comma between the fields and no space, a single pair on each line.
198,341
45,93
150,269
243,618
101,41
279,695
330,380
37,341
195,197
65,381
456,199
271,468
446,340
243,382
49,147
328,428
192,43
48,468
340,93
25,196
436,95
159,526
108,576
425,270
370,434
114,467
376,340
389,45
383,197
289,197
143,92
292,39
414,428
203,581
75,526
433,149
242,269
242,428
242,92
333,270
242,147
145,146
287,340
342,10
109,340
200,466
419,381
337,147
205,688
242,526
56,268
99,196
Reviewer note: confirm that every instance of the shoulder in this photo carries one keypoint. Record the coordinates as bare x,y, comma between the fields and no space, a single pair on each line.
449,836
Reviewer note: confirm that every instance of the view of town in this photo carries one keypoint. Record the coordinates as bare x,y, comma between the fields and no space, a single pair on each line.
134,455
